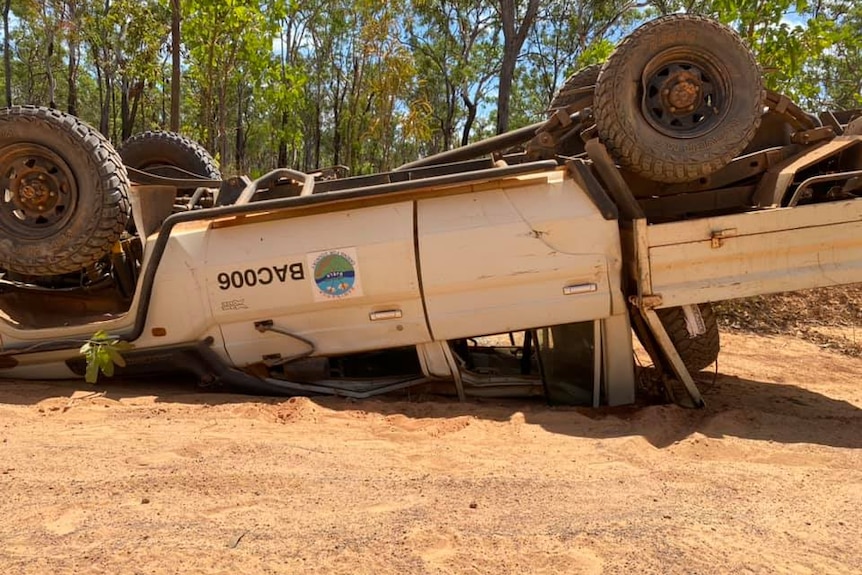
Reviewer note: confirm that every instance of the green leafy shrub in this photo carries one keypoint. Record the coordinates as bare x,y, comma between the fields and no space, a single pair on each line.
102,353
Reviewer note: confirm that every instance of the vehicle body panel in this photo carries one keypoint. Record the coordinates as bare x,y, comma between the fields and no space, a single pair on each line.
759,252
514,258
272,270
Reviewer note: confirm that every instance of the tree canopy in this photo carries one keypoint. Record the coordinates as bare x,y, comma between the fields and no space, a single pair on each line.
370,85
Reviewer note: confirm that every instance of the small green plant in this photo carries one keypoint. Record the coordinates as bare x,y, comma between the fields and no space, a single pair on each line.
102,353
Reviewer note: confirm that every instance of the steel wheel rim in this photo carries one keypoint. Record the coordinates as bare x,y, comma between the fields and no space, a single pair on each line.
685,94
38,191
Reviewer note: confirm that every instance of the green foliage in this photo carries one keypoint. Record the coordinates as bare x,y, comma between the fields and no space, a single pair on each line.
371,85
595,53
102,353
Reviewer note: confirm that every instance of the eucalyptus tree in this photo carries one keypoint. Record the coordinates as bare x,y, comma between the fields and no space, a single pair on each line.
454,43
7,52
125,40
295,118
569,35
38,46
835,72
176,63
516,22
229,46
362,74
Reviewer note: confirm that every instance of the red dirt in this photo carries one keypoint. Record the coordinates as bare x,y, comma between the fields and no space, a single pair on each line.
158,479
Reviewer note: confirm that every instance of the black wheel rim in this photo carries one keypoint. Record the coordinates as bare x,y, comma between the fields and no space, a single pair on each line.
685,94
38,191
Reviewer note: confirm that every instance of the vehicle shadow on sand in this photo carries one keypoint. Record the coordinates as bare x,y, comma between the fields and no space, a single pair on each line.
735,407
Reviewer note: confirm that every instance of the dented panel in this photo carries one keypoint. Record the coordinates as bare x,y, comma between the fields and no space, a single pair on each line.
516,257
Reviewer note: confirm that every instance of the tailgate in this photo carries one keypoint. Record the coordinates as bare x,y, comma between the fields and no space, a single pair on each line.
741,255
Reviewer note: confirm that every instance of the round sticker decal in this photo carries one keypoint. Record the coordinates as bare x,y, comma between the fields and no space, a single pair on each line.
334,274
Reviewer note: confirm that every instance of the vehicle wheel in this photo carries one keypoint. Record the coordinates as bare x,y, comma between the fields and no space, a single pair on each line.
696,352
568,93
64,189
678,99
154,151
159,152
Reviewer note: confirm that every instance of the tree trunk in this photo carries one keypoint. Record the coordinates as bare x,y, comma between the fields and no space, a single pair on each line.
129,112
472,109
74,47
72,96
103,100
513,39
239,151
49,72
281,162
176,16
124,110
222,122
318,136
282,141
336,124
7,57
105,80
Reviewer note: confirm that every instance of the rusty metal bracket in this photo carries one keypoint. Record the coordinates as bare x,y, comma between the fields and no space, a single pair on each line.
717,237
554,130
784,105
646,301
813,136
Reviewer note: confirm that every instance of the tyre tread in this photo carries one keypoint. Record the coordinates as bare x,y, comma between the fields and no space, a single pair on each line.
623,144
586,76
196,154
697,352
101,231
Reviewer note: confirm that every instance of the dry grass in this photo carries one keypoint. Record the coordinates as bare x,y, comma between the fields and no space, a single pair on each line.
829,317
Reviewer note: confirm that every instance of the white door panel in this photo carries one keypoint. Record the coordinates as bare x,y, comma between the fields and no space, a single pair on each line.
346,281
514,258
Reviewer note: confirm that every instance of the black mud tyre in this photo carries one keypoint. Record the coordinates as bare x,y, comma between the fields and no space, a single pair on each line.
697,352
569,92
678,99
64,200
156,151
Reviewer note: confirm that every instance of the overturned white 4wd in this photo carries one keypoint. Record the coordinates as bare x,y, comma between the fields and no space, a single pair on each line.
661,181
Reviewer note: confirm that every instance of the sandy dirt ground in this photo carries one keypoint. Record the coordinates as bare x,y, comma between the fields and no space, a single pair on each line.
161,480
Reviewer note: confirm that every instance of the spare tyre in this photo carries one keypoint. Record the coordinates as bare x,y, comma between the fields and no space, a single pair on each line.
678,99
64,200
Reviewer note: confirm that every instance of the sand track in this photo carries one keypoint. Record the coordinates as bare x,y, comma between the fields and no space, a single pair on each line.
158,479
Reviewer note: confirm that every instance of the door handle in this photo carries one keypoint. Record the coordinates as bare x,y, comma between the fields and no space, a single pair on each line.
385,314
